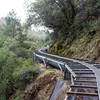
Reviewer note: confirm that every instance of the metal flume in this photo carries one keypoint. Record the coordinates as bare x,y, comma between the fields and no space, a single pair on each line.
83,79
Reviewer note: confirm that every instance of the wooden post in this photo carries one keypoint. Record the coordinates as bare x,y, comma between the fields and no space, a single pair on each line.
65,74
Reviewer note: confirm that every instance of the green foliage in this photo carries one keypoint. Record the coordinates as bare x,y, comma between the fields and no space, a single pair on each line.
18,98
25,73
11,44
13,27
55,14
92,6
20,37
16,69
8,63
15,55
12,23
29,44
65,17
2,39
21,52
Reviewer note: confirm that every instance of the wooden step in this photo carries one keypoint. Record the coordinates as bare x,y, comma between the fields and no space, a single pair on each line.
81,94
82,70
79,72
87,81
86,77
83,86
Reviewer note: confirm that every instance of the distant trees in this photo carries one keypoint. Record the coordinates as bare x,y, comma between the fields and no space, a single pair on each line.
13,27
12,24
56,14
63,16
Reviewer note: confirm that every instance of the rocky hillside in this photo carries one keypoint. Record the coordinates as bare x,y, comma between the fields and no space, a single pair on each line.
75,26
84,46
83,42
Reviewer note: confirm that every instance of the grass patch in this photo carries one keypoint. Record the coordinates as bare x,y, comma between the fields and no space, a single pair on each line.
47,72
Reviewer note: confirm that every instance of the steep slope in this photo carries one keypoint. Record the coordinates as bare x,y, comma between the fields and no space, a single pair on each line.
42,87
86,45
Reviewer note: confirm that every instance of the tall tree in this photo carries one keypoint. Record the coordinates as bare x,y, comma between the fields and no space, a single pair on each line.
55,14
65,17
12,24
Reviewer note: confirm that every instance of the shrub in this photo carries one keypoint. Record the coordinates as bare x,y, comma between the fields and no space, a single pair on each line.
25,73
18,98
28,45
2,39
21,52
11,44
7,65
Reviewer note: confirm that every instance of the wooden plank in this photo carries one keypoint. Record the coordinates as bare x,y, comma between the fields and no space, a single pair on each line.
85,77
79,72
81,94
88,81
83,86
82,70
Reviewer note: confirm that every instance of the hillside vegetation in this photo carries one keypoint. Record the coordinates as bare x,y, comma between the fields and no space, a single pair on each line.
72,29
75,25
17,68
85,46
